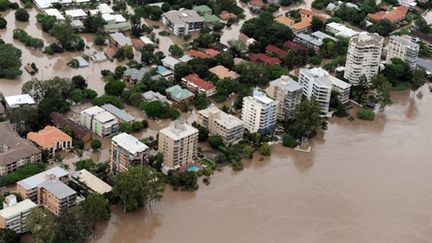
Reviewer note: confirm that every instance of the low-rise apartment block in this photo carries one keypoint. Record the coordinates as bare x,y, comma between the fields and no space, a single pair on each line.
404,49
14,214
14,150
288,94
179,144
127,151
340,30
259,113
197,85
182,22
100,121
51,138
229,127
56,196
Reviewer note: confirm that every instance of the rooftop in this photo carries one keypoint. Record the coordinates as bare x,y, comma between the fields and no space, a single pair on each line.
58,188
405,41
136,74
211,52
13,146
36,180
48,137
323,77
200,83
284,20
170,61
79,130
17,209
178,93
304,24
183,17
394,15
226,15
17,100
75,13
93,110
342,30
129,143
92,181
146,40
261,97
178,130
202,9
54,12
310,39
118,113
367,39
321,36
104,117
286,83
261,57
276,50
211,18
226,120
223,72
121,39
422,36
294,46
197,54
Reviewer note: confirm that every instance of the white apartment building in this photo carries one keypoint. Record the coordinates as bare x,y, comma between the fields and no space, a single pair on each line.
318,83
363,57
179,144
259,113
229,127
288,94
14,214
127,151
100,121
404,49
182,22
340,30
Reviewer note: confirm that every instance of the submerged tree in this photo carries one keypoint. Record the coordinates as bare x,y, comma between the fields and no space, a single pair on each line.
308,120
382,87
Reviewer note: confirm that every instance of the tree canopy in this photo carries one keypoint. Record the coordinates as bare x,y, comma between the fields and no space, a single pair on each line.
10,61
307,120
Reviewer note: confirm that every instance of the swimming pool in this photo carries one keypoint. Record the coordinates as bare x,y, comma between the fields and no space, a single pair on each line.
193,168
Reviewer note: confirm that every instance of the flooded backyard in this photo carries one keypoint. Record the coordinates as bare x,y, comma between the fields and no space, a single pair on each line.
362,182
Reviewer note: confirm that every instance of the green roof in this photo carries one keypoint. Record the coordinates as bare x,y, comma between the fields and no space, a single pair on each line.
211,18
202,9
178,93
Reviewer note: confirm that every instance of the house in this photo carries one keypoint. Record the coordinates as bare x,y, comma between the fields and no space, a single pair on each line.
179,95
113,18
118,39
79,131
340,30
220,46
165,72
115,27
51,138
303,26
197,54
285,20
263,58
146,40
294,46
99,57
395,15
54,12
182,22
102,8
197,85
76,24
185,58
15,151
202,10
152,96
222,72
74,14
91,182
308,41
225,15
133,75
170,62
211,52
119,114
15,101
255,4
82,63
276,50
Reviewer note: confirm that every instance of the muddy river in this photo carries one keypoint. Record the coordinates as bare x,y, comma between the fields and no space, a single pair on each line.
362,182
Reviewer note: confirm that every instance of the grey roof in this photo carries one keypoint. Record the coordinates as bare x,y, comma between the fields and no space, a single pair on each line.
58,188
82,62
136,74
36,180
121,39
118,113
424,64
321,36
405,41
183,17
309,39
367,39
287,83
99,57
170,61
15,146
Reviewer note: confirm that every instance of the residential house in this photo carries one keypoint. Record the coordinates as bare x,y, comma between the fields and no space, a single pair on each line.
118,40
14,150
182,22
51,138
152,96
395,15
127,151
197,54
197,85
225,15
54,12
263,58
229,127
246,39
179,144
211,52
288,94
294,46
165,72
259,113
179,95
75,14
133,75
340,30
79,131
170,62
285,20
222,72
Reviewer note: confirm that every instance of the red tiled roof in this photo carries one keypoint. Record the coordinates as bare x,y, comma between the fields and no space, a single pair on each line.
211,52
395,15
243,37
197,54
276,50
294,46
256,3
137,43
225,15
202,84
260,57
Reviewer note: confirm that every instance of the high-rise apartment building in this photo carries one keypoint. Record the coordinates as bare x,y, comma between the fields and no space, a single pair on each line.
229,127
288,93
404,49
363,57
259,113
179,144
127,151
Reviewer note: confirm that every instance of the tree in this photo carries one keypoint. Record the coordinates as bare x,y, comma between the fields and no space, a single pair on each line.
360,91
382,27
365,114
317,24
22,15
96,208
382,87
138,187
41,224
9,236
397,72
225,59
24,119
93,23
147,54
307,120
65,35
215,141
176,50
418,79
247,152
180,70
79,82
4,5
46,21
10,61
201,101
156,109
72,226
289,141
3,23
165,7
265,149
108,99
187,181
202,132
95,144
100,40
115,88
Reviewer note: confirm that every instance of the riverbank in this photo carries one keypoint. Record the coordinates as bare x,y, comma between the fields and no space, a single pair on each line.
362,182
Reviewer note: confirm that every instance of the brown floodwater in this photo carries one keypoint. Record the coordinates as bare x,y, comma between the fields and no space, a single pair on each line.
362,182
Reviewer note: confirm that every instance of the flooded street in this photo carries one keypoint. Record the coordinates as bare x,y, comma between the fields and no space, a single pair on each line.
362,182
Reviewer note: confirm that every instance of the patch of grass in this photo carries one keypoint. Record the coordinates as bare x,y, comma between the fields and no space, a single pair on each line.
365,114
164,33
22,173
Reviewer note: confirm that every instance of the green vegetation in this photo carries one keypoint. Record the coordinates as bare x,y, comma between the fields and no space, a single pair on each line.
95,144
9,236
307,120
41,224
176,50
114,88
22,15
10,61
4,5
135,126
96,208
158,109
3,23
201,101
365,114
100,170
21,173
108,99
265,149
138,187
289,141
185,181
382,87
